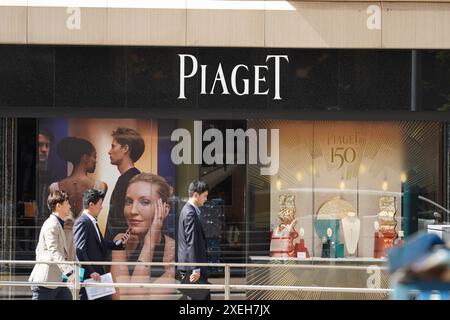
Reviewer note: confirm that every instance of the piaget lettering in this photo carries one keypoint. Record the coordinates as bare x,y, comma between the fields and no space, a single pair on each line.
244,73
342,150
343,139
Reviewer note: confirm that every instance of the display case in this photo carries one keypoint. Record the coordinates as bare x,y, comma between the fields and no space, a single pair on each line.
346,192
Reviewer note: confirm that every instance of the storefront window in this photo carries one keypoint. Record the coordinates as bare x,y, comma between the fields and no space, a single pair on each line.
345,193
341,190
287,184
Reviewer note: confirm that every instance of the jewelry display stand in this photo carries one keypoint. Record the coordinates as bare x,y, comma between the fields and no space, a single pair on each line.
378,246
300,248
329,216
351,227
282,237
387,221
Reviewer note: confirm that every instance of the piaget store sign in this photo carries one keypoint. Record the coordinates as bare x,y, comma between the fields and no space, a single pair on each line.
240,76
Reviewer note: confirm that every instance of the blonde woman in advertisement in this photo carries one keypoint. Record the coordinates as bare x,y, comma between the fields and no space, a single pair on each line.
146,207
83,156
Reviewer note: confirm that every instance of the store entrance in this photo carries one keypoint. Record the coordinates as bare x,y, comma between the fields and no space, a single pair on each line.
226,242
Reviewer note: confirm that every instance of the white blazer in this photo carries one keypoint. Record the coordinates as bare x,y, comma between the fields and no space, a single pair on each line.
52,246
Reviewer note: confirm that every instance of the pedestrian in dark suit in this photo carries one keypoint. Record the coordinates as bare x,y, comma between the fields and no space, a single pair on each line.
89,242
192,246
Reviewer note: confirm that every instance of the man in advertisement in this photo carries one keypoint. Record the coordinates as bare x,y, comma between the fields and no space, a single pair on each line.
127,147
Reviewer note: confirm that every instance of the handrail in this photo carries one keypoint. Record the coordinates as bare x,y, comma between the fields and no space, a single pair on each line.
310,288
199,264
433,203
117,284
226,287
200,286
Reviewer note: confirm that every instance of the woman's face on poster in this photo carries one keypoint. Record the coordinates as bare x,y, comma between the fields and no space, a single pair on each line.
139,210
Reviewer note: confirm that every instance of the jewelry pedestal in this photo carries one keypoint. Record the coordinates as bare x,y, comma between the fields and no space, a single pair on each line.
328,231
283,236
301,249
385,235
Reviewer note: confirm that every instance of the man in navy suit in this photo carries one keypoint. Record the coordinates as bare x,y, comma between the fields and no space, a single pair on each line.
89,242
192,246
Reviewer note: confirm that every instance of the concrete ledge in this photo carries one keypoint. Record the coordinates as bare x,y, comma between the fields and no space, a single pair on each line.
13,24
249,23
322,25
416,25
67,25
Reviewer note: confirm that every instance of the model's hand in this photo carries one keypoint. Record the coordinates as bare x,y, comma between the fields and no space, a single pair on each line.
194,276
96,276
161,210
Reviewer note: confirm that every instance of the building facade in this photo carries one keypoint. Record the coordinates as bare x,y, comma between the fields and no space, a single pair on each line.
295,113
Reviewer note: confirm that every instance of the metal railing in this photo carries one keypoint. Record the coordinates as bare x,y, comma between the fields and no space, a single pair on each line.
226,287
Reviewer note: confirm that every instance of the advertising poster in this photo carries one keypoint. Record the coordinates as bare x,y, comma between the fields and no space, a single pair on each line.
120,158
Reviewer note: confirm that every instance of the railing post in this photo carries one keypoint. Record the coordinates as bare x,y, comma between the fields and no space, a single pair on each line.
75,281
227,282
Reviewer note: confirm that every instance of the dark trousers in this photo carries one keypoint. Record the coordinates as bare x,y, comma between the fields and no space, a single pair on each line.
193,294
43,293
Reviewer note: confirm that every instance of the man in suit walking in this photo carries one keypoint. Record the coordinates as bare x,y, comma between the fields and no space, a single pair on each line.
89,242
52,246
192,246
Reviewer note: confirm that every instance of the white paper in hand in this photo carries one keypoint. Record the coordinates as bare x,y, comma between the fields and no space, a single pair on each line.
99,292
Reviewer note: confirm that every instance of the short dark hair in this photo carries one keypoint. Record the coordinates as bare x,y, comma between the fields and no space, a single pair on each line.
197,186
46,132
56,197
92,195
131,138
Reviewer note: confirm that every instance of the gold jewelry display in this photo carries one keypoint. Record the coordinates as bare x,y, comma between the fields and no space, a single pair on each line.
282,239
386,234
328,218
386,215
335,208
287,208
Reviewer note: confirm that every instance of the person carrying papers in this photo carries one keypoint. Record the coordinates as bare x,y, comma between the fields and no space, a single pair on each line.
89,242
